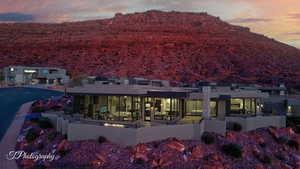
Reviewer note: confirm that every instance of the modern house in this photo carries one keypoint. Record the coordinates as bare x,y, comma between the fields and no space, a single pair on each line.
130,111
35,75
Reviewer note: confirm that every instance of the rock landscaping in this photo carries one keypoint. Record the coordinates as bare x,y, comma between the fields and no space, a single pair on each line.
264,148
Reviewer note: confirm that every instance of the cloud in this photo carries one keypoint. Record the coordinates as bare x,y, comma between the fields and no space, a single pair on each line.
292,34
249,20
16,17
294,16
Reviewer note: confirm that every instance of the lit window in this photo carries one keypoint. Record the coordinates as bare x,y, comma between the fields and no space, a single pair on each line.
29,71
289,109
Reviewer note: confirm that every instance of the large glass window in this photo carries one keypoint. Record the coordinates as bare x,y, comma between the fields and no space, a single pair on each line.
162,108
213,109
243,106
115,108
194,108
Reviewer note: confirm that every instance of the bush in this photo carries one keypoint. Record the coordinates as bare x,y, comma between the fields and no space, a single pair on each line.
101,139
280,156
63,152
232,150
293,144
51,137
38,109
35,120
45,123
56,108
208,139
235,126
262,145
40,146
139,161
31,136
266,159
281,140
39,167
297,129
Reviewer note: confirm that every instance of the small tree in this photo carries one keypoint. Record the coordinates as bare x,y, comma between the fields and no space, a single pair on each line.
78,81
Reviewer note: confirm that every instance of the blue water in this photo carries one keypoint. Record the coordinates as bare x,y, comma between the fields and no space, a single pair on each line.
11,100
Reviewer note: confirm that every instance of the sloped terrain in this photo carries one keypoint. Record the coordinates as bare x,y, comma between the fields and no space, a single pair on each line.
265,148
166,45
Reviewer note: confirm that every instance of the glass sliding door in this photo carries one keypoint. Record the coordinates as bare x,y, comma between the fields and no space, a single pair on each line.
194,108
162,108
213,109
148,108
246,106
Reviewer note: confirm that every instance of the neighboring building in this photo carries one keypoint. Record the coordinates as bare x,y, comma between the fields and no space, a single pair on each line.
293,105
131,111
35,75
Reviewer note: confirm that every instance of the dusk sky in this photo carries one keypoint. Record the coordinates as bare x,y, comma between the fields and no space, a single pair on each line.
278,19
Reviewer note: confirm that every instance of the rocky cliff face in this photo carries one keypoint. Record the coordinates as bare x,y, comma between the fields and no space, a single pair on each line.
166,45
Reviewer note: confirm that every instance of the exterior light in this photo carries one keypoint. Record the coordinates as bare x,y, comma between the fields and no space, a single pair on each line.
29,71
12,69
114,125
290,109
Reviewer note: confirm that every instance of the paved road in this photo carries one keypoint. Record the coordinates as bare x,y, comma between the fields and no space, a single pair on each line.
10,138
12,98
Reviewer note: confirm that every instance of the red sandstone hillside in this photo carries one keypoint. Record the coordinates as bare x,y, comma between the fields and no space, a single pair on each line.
165,45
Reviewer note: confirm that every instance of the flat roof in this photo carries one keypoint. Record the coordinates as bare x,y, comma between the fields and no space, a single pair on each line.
154,91
33,67
114,89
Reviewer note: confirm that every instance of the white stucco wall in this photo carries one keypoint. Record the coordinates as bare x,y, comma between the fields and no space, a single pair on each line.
252,123
216,126
152,133
80,131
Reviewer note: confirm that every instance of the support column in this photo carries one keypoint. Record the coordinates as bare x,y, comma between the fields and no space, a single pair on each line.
258,106
221,110
206,102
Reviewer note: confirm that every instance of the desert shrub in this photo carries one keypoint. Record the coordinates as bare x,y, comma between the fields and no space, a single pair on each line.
156,144
45,123
232,150
139,161
40,146
31,136
208,139
280,156
56,108
39,167
101,139
266,159
52,136
63,152
233,126
281,140
297,129
197,24
262,145
35,120
38,109
293,144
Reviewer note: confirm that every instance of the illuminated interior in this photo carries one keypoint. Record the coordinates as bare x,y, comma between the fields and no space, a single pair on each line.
161,108
245,106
